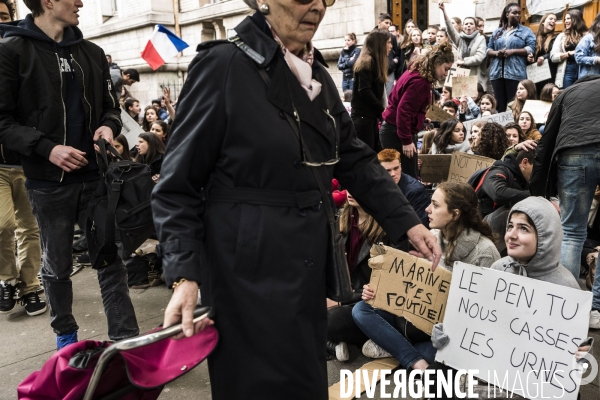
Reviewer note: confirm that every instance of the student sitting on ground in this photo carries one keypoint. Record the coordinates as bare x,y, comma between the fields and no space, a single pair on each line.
451,108
450,137
465,237
360,231
492,142
413,190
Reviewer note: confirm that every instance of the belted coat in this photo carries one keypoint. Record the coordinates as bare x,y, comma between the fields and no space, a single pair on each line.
225,213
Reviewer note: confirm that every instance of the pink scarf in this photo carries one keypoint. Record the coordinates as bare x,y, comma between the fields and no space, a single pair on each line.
301,67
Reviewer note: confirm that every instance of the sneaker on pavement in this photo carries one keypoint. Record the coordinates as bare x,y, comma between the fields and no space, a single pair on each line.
65,339
337,351
372,350
34,305
595,319
7,297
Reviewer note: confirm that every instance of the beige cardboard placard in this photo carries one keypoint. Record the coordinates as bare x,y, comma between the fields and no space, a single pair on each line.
464,86
464,165
405,286
538,74
538,109
455,71
435,167
436,113
381,364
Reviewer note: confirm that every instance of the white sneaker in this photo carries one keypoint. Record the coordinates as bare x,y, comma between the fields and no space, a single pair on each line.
341,352
595,319
372,350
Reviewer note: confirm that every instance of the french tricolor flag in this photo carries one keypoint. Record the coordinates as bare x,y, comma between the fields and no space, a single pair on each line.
162,46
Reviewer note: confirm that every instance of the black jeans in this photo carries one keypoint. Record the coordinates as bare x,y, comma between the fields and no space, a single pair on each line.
56,210
504,91
367,131
390,140
342,328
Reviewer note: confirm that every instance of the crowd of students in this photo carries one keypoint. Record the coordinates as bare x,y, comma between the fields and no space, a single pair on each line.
492,221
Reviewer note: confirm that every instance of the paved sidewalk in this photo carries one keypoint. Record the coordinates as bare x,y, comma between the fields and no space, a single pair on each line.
27,342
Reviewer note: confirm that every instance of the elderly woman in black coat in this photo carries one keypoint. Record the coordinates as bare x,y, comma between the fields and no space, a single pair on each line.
238,208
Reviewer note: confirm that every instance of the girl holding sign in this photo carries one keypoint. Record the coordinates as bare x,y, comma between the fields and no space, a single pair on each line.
463,236
544,41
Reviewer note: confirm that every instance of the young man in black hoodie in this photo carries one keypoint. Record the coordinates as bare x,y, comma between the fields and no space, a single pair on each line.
58,100
17,220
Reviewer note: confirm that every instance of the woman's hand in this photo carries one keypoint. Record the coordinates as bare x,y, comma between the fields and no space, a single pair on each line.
526,145
442,6
167,94
409,150
367,293
155,178
540,61
181,309
420,162
530,58
460,62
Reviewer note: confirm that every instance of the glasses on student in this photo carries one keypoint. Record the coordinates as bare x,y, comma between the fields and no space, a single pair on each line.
328,3
332,161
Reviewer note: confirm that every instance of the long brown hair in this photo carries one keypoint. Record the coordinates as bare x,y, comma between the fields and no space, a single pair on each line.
595,31
461,197
531,95
155,148
543,38
408,39
532,127
578,27
426,64
370,229
374,51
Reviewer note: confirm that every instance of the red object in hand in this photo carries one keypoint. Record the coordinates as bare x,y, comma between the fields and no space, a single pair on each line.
340,197
335,185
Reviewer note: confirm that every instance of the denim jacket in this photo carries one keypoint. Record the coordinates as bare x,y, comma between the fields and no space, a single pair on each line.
586,56
512,67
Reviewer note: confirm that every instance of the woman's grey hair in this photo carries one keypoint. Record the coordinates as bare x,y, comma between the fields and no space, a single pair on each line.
252,4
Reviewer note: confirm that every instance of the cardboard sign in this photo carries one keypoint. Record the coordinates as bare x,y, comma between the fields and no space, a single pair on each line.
436,113
538,74
538,109
405,286
456,71
464,165
335,390
520,333
131,130
503,119
464,86
435,167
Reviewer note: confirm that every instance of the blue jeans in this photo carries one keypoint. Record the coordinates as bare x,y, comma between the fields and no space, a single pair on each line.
571,74
380,326
56,210
347,84
578,173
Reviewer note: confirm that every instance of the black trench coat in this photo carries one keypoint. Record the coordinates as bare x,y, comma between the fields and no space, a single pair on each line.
261,267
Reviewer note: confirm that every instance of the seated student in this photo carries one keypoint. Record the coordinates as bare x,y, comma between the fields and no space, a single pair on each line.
450,137
492,142
475,131
150,151
506,183
451,108
514,133
467,109
360,231
487,103
120,144
464,236
533,238
527,124
161,129
415,192
432,31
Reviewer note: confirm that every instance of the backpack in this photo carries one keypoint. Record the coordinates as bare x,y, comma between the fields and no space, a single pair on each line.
119,210
476,180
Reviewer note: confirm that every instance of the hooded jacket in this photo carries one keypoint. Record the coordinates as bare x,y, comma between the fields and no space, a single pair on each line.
504,185
545,264
34,108
346,62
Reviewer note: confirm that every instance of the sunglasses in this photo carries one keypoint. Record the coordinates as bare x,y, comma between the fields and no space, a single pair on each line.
328,3
334,160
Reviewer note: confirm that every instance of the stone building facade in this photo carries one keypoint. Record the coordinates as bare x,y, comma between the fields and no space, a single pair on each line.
123,27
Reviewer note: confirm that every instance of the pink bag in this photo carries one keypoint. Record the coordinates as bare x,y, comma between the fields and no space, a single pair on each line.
145,365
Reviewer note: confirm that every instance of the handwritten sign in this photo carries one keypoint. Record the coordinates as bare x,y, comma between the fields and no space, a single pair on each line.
464,86
520,333
456,71
503,119
405,286
435,167
436,113
538,109
464,165
131,130
537,73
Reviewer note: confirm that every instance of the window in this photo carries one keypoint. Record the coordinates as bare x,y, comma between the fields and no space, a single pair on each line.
108,8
